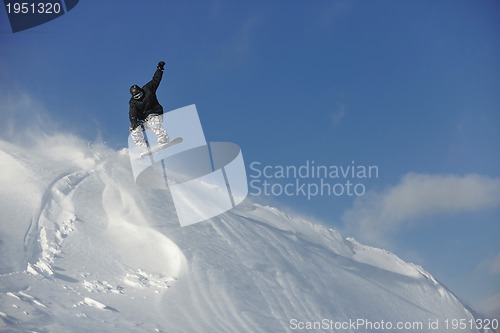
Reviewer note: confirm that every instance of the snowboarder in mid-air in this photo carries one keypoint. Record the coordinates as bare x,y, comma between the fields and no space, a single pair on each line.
146,112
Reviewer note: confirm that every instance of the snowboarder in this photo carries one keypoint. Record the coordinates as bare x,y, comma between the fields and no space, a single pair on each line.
146,112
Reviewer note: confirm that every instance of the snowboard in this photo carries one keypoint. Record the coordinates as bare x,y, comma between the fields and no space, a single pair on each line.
158,148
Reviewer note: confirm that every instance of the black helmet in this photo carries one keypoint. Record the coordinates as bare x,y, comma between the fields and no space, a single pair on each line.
136,91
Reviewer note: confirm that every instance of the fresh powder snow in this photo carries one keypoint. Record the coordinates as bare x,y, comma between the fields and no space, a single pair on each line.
84,249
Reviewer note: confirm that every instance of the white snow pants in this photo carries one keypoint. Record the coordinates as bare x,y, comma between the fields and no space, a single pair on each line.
154,122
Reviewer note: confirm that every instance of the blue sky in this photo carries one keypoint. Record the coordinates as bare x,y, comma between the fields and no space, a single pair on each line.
409,86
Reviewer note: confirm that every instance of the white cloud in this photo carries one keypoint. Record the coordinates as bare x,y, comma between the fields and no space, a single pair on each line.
489,307
490,265
495,265
377,215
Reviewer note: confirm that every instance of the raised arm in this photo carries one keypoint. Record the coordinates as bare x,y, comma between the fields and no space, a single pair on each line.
155,82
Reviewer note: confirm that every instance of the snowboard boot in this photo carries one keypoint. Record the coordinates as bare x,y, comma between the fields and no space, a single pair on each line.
164,140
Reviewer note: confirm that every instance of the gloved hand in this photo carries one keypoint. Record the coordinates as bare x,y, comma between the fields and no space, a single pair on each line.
161,65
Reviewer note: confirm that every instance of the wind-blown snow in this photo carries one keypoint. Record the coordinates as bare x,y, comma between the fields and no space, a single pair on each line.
83,249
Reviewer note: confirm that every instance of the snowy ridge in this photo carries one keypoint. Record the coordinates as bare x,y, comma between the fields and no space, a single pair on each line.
84,249
53,223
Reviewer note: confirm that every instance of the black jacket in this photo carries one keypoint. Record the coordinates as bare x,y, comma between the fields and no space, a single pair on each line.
140,109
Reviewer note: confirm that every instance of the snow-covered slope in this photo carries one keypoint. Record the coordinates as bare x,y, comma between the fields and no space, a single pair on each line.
82,249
